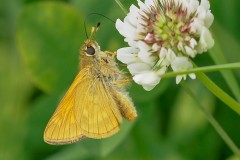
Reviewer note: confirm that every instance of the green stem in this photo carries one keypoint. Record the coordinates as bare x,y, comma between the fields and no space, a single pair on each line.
217,91
121,6
204,69
214,123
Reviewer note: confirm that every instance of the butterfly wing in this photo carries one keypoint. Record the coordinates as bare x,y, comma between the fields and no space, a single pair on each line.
96,110
62,128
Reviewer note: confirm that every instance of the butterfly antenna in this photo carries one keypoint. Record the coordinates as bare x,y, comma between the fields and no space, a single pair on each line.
98,25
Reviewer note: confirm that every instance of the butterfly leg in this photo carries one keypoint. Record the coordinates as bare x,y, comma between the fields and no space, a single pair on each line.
123,81
113,54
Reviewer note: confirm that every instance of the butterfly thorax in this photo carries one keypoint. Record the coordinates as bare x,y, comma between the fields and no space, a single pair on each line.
101,64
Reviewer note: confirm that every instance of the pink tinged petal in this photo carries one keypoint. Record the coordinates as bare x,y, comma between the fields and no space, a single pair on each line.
126,55
149,38
148,80
137,68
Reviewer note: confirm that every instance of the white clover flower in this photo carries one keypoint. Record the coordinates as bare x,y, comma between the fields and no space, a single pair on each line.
164,34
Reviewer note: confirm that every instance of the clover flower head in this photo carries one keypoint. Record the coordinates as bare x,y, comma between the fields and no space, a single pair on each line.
164,34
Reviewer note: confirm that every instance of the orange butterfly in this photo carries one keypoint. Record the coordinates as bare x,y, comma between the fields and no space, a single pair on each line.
95,102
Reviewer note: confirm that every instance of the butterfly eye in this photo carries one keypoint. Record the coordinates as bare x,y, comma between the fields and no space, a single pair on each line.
90,50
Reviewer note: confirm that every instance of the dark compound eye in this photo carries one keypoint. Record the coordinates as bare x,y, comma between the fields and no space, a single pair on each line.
90,50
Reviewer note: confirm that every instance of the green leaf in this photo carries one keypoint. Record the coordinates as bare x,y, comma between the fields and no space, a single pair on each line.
108,145
49,35
188,124
42,110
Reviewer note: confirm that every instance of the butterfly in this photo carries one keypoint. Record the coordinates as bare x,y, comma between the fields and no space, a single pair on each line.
96,101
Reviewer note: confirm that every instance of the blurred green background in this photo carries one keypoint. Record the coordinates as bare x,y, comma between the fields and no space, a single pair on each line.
39,44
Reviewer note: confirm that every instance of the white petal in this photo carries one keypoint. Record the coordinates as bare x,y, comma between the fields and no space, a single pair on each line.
191,6
206,41
149,3
193,43
143,46
201,12
196,26
162,71
126,29
131,42
163,53
178,79
148,87
192,75
209,19
180,46
133,15
170,55
146,57
148,80
155,47
181,64
137,68
142,6
127,55
205,4
192,53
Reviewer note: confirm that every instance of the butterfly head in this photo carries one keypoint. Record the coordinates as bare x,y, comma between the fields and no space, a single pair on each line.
90,47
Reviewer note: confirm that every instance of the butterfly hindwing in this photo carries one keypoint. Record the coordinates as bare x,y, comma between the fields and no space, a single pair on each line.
96,110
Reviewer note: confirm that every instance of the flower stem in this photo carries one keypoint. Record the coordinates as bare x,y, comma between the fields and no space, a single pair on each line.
214,123
204,69
121,6
210,85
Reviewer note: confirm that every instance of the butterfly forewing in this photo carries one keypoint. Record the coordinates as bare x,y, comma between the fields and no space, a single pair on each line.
95,108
